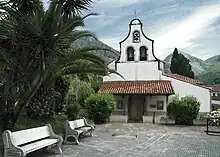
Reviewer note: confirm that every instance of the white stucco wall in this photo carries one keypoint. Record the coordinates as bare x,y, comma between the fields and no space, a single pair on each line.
182,89
136,71
152,100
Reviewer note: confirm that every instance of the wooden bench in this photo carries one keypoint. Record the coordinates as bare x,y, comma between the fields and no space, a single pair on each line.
20,143
76,128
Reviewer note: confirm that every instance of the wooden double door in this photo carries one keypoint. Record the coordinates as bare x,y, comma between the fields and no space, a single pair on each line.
135,108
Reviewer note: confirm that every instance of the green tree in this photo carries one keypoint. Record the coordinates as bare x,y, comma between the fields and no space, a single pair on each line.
94,80
36,48
81,89
181,65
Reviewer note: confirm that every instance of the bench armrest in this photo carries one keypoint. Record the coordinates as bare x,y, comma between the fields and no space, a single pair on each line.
53,135
9,145
87,124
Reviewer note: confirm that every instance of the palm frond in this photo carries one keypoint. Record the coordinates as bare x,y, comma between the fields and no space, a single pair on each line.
90,14
26,6
82,68
71,8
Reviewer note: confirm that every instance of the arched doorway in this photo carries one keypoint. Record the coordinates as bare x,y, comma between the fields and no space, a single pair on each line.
135,109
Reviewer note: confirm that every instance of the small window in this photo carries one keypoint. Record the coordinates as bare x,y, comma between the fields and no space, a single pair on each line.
160,105
136,37
213,94
143,53
119,104
130,54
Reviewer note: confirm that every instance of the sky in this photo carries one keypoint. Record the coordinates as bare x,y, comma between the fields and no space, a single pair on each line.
193,26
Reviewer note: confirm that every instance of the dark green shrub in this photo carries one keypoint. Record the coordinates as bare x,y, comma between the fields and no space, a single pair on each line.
48,100
42,105
72,111
183,110
57,123
100,107
83,113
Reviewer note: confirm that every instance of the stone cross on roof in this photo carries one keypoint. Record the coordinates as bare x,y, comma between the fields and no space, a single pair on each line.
135,13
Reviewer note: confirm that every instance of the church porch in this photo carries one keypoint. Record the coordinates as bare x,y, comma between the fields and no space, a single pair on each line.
135,100
139,107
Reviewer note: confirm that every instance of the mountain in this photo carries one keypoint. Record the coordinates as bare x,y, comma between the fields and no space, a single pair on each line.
213,59
198,65
212,75
108,56
207,70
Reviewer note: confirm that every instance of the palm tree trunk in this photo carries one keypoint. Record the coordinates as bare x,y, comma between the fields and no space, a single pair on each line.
26,97
11,117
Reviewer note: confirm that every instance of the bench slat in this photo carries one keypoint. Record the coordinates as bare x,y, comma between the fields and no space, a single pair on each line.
40,144
76,123
29,135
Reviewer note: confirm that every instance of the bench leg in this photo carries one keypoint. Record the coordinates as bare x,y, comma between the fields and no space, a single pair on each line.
77,140
51,148
14,153
91,134
76,137
59,149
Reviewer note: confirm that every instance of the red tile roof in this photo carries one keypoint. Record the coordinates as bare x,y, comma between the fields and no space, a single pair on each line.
214,88
137,87
184,78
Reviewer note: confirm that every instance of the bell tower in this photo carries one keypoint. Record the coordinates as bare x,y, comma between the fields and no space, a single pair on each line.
136,47
137,60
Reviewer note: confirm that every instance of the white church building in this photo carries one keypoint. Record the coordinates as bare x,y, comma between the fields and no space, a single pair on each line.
146,88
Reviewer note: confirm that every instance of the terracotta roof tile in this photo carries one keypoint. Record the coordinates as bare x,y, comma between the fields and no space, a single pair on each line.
184,78
137,87
214,88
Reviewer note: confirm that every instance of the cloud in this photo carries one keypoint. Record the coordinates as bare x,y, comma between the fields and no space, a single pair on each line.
115,3
191,26
182,34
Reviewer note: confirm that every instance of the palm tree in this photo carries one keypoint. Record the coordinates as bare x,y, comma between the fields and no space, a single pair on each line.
36,47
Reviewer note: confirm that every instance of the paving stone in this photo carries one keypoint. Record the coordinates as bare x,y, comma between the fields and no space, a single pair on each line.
151,141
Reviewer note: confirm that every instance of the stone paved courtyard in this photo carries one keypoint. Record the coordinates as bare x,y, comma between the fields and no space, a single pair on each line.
143,140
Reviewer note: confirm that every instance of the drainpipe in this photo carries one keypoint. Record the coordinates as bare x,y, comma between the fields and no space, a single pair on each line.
123,104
